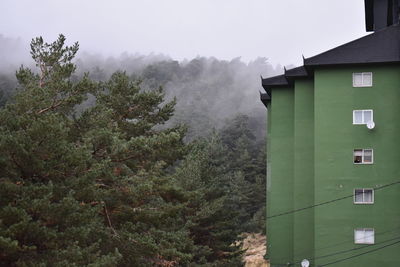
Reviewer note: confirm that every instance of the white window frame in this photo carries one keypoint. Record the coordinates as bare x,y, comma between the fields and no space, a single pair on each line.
363,155
364,189
362,79
358,241
363,119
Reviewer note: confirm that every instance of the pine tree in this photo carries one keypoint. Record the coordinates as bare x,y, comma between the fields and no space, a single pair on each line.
143,207
46,178
212,208
225,177
247,156
89,187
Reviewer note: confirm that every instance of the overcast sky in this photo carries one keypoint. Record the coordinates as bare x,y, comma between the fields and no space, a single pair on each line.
281,30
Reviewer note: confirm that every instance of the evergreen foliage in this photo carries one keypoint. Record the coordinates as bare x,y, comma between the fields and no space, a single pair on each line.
89,188
113,183
47,177
225,176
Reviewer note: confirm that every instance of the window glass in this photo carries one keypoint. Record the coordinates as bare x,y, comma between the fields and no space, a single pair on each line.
358,236
362,116
367,79
369,236
363,156
364,236
357,79
363,196
357,155
367,116
362,79
358,196
367,155
358,118
368,196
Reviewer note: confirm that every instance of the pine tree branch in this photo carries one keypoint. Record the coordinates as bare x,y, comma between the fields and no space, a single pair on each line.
129,110
53,106
111,226
59,103
124,159
16,163
109,220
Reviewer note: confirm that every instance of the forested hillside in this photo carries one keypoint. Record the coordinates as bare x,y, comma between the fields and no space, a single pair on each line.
130,161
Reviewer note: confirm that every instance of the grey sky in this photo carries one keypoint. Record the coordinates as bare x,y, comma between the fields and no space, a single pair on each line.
281,30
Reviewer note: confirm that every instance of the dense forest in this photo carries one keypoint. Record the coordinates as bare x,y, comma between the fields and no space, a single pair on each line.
129,161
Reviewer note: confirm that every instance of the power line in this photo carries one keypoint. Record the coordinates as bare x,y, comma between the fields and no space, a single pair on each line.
344,242
350,240
353,249
358,255
345,251
339,252
309,207
340,244
349,250
326,202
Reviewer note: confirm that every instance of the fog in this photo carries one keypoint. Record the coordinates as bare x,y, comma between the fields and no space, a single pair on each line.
183,29
209,54
209,91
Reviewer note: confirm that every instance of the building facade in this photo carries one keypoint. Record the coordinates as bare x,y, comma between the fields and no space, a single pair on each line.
333,181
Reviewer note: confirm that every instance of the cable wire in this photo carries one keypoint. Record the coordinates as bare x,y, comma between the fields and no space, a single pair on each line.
358,255
339,252
298,261
326,202
351,240
348,250
345,251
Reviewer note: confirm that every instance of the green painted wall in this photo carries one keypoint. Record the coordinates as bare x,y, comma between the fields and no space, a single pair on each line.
337,176
280,181
268,182
303,235
310,160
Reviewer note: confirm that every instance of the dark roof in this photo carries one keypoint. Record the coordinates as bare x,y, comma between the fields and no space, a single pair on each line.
380,47
297,72
264,98
276,81
286,79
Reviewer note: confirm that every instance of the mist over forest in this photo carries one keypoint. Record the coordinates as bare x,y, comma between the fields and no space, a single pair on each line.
158,182
208,90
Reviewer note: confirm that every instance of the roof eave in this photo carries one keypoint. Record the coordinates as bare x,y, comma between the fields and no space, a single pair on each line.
275,82
265,98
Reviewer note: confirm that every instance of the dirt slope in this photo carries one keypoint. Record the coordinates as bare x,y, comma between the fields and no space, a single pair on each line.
255,245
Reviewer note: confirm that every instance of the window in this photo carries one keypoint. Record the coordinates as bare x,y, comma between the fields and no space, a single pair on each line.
363,196
362,79
364,236
363,156
363,116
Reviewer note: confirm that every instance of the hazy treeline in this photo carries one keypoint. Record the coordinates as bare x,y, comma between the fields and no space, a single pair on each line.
208,90
159,177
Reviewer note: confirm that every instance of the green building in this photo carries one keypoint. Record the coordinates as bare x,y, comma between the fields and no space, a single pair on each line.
333,182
